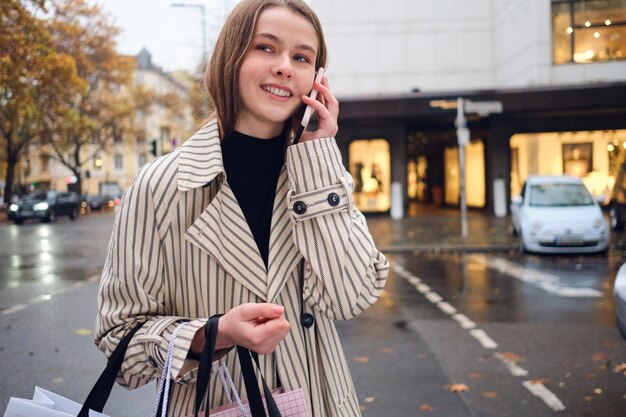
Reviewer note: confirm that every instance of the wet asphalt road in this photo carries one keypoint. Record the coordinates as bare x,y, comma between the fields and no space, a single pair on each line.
406,352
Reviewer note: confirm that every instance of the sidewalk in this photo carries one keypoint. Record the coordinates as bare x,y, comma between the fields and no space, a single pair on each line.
435,229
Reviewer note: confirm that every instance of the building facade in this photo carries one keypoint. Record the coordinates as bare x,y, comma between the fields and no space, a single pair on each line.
158,129
557,68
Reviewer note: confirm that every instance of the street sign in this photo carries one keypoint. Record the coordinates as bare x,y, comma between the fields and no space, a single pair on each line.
483,107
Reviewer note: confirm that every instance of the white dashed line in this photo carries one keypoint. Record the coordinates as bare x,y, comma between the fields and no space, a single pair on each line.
46,297
512,366
545,282
483,338
545,395
464,321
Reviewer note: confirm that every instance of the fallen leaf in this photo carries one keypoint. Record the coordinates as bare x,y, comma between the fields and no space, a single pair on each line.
542,381
457,387
57,380
386,350
490,395
474,375
598,357
362,359
426,407
619,368
597,391
513,357
561,384
82,332
587,398
370,399
362,408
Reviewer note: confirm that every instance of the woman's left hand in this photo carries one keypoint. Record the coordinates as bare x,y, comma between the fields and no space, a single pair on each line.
327,108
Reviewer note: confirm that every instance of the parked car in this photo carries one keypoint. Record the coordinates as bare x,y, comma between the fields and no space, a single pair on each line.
557,214
45,205
619,290
617,206
99,202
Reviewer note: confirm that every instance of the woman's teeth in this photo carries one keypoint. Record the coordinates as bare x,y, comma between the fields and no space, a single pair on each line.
277,91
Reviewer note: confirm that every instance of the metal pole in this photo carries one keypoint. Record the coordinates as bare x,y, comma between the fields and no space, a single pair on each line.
462,138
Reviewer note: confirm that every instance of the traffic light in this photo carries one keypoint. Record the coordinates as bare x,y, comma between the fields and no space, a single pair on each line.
153,147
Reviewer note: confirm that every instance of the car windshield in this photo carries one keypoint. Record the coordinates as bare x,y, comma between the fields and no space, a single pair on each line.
38,196
558,195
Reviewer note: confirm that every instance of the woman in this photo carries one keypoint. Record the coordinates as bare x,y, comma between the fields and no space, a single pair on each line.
223,224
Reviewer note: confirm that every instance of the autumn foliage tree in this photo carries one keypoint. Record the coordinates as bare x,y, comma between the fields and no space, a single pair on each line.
104,110
36,82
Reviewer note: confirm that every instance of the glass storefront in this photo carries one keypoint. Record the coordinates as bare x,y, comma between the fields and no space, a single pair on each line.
371,170
474,175
594,156
586,31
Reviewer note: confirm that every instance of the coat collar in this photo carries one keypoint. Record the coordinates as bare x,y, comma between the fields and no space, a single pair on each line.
221,229
200,158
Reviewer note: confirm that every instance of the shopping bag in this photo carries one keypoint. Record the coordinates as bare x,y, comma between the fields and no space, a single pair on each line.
48,404
275,403
45,404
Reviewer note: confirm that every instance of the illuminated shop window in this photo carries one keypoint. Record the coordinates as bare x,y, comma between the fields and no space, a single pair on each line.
588,30
371,171
474,175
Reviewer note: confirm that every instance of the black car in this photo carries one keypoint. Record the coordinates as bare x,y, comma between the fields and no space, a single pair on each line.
45,205
100,202
617,206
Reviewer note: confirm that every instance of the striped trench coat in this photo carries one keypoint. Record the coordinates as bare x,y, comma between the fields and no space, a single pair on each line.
181,250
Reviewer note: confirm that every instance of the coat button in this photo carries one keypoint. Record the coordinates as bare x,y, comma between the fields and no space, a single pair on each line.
333,199
153,362
299,207
307,320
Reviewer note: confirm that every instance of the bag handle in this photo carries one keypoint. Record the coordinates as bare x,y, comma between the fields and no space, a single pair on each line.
255,400
101,390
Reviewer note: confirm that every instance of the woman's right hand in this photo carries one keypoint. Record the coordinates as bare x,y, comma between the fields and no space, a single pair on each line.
259,327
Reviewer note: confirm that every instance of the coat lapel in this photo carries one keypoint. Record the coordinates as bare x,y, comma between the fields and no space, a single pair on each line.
283,255
221,229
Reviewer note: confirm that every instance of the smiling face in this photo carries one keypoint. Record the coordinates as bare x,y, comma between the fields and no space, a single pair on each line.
278,67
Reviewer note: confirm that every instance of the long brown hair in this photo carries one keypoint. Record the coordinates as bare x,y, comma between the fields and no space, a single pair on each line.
222,74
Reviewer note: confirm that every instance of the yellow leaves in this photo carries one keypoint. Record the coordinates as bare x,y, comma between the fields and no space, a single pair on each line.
513,357
82,332
542,381
489,395
426,407
456,388
362,359
598,357
620,368
386,350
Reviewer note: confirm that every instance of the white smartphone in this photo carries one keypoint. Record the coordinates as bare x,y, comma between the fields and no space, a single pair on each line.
309,110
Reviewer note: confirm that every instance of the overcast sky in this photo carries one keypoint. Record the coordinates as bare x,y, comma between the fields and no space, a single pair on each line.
173,35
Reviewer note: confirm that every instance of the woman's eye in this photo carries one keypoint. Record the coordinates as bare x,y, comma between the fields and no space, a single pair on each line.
302,58
264,48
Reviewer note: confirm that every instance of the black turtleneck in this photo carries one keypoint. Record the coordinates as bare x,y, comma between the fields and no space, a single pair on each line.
252,168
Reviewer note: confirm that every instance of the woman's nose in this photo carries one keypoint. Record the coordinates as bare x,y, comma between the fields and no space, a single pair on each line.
282,67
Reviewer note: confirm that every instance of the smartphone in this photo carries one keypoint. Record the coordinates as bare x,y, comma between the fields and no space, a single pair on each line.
309,110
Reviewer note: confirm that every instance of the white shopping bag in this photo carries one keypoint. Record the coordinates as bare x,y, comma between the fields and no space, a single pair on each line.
45,404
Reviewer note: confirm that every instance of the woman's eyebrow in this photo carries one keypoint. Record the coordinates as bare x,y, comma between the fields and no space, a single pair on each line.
276,39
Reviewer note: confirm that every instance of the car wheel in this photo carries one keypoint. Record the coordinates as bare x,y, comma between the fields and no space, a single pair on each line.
51,217
74,214
615,215
514,230
18,221
522,245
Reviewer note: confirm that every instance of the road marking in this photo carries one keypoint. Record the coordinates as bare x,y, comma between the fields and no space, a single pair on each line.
513,367
545,395
487,342
47,297
464,321
446,307
548,282
433,297
483,338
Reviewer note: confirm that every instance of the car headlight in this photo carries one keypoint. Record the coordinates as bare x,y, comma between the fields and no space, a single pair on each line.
40,207
14,207
597,223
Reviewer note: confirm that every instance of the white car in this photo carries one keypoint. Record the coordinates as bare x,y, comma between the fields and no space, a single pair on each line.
619,290
557,214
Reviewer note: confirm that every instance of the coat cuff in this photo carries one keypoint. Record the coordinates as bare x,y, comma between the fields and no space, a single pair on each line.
314,164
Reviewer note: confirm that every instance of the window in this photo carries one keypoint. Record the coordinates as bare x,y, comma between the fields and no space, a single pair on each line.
45,163
370,169
586,31
119,162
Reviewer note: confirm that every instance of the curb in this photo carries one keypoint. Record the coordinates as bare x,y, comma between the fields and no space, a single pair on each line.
448,248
